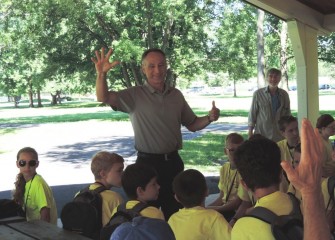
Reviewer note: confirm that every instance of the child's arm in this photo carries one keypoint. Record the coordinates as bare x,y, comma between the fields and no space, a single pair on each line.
45,214
241,211
217,201
229,206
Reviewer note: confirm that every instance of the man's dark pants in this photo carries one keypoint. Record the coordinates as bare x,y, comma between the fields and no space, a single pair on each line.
167,167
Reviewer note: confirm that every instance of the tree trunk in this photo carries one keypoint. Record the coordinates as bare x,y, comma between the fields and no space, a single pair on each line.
125,74
260,49
234,82
53,99
58,98
149,17
30,94
136,73
16,101
283,56
171,78
39,101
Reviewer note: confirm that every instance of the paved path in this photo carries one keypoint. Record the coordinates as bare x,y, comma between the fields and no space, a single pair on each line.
65,149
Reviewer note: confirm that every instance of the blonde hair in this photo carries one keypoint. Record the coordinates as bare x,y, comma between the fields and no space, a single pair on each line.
104,161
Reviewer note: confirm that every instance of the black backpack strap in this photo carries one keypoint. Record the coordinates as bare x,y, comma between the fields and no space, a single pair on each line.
263,214
139,207
136,209
99,189
268,216
122,207
96,190
296,211
331,186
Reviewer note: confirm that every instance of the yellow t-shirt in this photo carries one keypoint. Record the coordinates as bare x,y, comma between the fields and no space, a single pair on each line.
199,223
151,212
328,167
38,195
110,200
325,193
286,154
295,192
245,195
229,179
250,228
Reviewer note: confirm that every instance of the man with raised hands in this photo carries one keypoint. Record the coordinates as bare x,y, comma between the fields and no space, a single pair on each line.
157,111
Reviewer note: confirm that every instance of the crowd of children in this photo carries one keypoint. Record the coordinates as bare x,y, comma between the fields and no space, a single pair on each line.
252,177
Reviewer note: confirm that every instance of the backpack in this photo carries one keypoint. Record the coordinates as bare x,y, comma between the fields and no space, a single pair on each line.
122,215
84,214
9,208
285,227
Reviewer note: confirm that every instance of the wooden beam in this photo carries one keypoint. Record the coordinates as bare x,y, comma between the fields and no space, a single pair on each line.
294,10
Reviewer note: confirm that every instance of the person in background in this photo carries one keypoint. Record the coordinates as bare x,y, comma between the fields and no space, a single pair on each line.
326,126
268,105
31,190
307,179
194,221
228,201
157,111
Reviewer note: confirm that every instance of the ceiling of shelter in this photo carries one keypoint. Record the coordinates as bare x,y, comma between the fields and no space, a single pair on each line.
322,6
318,14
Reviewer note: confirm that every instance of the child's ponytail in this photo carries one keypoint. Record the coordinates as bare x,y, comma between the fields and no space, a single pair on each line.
18,193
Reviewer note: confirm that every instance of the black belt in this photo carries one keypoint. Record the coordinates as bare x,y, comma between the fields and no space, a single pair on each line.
165,156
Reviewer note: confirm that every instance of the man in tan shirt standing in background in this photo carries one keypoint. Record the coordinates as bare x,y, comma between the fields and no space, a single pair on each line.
268,105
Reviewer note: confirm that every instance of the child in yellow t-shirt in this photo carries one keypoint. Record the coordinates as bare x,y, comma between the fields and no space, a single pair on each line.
31,190
107,169
228,201
139,181
191,190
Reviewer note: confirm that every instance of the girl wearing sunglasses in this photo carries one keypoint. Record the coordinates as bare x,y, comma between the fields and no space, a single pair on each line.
31,190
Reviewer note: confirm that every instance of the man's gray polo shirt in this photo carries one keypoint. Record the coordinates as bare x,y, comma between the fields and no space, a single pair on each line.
156,117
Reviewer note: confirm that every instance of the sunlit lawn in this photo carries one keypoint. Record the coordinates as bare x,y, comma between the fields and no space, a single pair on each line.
204,152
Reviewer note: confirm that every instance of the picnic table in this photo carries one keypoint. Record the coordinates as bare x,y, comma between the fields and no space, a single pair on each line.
16,228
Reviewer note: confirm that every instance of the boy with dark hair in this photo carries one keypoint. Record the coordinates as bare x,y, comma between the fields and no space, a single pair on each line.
191,190
139,182
227,201
258,162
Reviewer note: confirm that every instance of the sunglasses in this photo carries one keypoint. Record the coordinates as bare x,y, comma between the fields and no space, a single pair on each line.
31,163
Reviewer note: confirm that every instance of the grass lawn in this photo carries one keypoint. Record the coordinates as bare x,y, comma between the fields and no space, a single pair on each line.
204,153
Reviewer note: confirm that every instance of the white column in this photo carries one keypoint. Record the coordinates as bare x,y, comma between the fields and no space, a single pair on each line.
304,43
